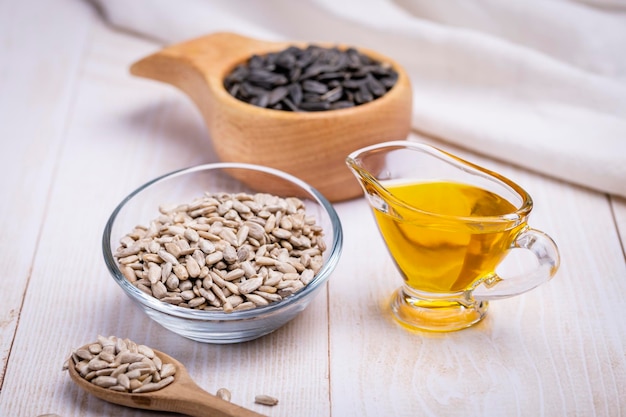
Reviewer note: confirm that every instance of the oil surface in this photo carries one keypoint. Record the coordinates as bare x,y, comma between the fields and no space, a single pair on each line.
440,258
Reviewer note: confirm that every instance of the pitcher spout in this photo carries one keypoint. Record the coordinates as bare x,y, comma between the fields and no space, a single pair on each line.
373,190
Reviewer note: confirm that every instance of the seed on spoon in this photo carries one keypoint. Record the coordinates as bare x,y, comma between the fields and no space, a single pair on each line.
133,368
177,393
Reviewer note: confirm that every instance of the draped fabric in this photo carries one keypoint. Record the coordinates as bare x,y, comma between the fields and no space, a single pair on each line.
538,83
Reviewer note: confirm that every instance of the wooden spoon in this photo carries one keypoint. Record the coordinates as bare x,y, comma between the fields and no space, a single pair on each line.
312,146
183,395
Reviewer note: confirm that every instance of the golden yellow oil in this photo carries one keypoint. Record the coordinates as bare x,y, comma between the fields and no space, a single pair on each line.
445,255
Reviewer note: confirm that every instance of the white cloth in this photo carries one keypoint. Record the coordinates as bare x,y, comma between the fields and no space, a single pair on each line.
538,83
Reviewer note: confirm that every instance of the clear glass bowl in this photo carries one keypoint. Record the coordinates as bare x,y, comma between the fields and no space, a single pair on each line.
182,186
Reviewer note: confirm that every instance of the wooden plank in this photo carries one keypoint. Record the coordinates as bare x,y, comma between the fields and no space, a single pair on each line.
92,133
37,85
554,351
123,132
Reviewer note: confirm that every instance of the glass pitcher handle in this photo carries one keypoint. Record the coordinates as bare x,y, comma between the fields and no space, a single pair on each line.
547,254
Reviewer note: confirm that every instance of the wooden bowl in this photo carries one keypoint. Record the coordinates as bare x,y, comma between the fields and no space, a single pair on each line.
309,145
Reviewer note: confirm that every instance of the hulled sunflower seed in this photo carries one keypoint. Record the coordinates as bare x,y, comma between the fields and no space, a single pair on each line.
167,370
250,285
265,399
84,354
257,300
154,386
104,381
223,393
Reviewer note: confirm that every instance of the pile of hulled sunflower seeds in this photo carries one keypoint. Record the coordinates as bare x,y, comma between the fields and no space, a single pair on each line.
224,252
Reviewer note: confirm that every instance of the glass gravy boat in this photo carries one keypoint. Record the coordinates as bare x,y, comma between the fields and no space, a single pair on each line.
448,224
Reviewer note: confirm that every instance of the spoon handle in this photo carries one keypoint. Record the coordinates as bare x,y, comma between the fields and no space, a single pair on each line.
213,55
194,401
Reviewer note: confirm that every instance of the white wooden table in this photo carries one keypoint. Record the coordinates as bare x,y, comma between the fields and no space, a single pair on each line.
78,133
